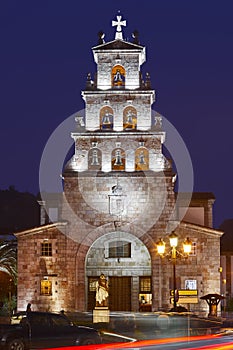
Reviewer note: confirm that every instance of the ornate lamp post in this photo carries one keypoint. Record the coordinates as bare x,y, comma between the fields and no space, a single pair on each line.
173,254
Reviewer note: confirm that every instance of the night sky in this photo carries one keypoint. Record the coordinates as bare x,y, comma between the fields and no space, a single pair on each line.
46,54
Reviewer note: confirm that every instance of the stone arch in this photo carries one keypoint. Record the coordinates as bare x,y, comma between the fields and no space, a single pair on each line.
122,258
141,159
106,118
80,293
118,77
130,118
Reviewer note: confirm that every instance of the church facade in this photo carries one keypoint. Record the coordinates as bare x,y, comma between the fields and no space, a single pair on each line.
119,200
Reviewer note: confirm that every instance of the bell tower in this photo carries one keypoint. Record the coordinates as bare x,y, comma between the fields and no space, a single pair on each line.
118,105
118,145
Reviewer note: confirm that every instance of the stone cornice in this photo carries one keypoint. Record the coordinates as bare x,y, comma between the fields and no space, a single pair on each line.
39,229
202,229
118,92
111,134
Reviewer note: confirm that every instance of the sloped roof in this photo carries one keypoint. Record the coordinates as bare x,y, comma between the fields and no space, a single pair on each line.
202,229
118,44
39,229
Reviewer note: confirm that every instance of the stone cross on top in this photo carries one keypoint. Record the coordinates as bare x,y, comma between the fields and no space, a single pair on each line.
119,23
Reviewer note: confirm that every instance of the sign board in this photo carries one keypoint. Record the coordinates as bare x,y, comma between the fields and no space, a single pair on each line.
191,284
186,296
185,292
186,300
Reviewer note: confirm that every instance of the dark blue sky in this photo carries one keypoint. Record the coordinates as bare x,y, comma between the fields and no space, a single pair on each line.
46,55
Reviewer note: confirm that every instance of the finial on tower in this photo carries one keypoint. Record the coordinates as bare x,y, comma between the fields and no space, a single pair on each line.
135,36
119,23
101,36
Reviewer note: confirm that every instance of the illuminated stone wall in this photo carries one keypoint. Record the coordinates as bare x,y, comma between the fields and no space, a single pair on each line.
118,102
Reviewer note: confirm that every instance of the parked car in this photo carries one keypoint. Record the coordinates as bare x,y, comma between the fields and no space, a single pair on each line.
38,330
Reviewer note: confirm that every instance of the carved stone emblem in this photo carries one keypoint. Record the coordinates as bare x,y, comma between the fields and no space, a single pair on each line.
116,201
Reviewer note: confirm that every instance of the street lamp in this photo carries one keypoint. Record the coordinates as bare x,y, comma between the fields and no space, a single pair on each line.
173,254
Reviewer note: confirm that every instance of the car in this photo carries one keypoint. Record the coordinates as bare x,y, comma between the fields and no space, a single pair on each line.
38,330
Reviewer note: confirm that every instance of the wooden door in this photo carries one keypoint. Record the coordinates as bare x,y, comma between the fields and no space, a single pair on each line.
120,293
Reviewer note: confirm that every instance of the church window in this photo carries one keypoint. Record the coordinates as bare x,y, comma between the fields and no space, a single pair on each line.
118,159
45,287
106,118
118,77
94,159
119,249
141,159
145,285
130,118
46,249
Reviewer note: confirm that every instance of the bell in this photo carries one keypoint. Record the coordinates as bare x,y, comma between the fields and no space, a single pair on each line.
106,119
95,160
118,160
141,158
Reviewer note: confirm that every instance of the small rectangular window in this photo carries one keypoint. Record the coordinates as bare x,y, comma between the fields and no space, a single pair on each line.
194,249
46,249
145,284
119,249
45,287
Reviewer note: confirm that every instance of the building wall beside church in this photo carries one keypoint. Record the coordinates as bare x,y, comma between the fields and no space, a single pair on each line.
202,265
34,269
72,262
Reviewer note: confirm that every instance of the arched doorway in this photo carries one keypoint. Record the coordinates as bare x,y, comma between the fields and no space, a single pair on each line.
126,263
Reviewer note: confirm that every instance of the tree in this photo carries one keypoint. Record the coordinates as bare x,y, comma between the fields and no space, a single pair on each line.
8,258
19,211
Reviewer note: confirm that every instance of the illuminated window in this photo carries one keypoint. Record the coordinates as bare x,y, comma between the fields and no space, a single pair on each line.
46,249
45,287
119,249
145,284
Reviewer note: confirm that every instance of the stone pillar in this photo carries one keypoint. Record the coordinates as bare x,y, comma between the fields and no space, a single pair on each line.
135,293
